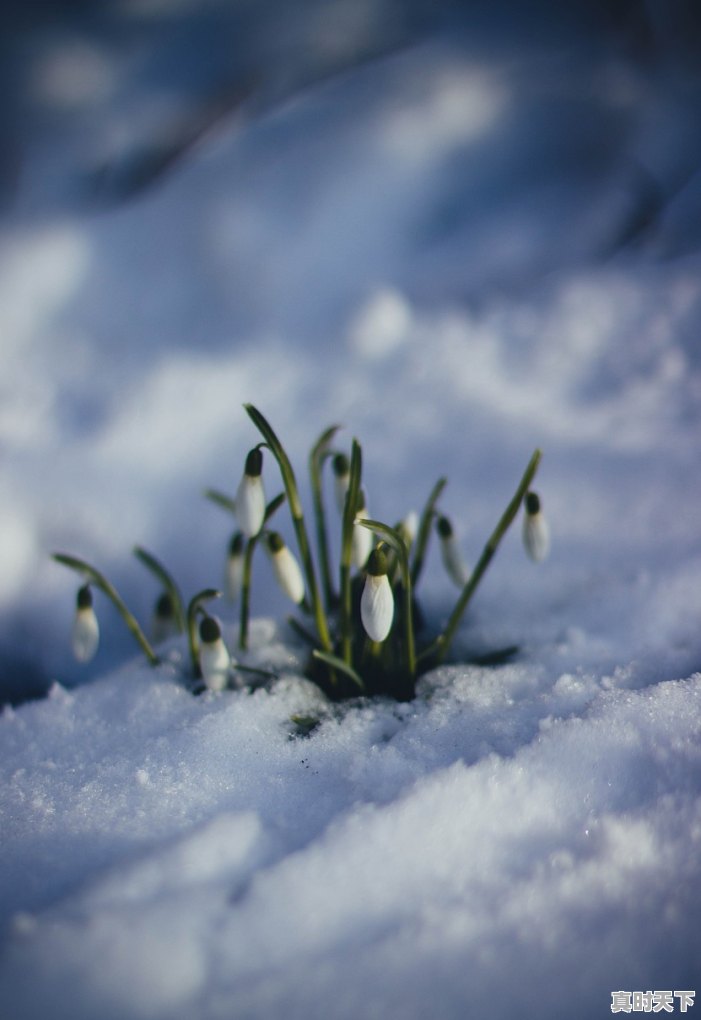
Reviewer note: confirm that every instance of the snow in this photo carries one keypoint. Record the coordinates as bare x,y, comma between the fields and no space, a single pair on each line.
423,250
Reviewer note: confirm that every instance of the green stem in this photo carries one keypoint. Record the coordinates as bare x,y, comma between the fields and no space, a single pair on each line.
101,582
244,618
157,568
439,648
349,511
246,593
293,499
193,607
317,456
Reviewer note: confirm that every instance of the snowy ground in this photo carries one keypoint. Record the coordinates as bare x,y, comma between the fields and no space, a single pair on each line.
427,249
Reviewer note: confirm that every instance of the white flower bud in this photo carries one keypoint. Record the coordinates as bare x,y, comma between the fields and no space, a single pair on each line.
362,539
86,632
164,624
250,495
453,562
286,568
215,661
341,479
536,531
377,600
233,572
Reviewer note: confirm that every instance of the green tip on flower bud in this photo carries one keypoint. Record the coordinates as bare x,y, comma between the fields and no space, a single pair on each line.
341,465
210,631
254,463
532,503
236,544
377,563
275,542
165,610
84,598
444,527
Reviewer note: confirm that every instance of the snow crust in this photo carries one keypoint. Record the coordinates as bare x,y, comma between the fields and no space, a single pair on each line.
422,250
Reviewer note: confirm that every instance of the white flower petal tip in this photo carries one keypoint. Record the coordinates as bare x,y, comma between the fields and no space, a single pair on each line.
536,531
362,539
85,637
288,573
215,662
233,572
408,528
453,562
361,543
250,496
377,600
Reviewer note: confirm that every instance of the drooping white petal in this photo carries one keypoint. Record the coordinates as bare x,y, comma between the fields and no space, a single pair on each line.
362,541
85,637
536,536
215,663
377,606
250,504
453,562
409,527
288,574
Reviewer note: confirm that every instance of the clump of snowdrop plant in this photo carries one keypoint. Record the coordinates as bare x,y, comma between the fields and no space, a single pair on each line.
360,614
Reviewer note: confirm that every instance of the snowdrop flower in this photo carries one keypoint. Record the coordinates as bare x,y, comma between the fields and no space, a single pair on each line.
377,600
408,528
164,624
362,538
286,568
536,532
250,495
215,661
233,573
341,479
450,553
86,632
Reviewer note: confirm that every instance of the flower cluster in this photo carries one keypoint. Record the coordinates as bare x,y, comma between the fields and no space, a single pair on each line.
362,615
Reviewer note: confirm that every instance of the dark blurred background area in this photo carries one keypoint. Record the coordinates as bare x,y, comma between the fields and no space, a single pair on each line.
103,98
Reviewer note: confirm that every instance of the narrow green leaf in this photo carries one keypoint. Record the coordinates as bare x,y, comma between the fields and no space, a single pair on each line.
336,663
439,648
320,451
349,511
425,529
221,499
290,483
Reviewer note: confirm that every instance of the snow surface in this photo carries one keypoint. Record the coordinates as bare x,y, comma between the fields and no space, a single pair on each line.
426,250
